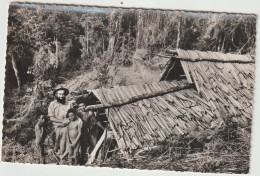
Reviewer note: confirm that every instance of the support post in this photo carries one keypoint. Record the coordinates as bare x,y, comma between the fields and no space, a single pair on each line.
91,158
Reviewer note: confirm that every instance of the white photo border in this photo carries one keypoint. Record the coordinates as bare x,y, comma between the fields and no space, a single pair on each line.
230,6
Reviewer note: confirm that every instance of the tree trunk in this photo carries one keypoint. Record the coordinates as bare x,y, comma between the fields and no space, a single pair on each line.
219,44
114,38
223,45
111,45
87,41
179,33
16,72
57,52
103,42
129,35
139,24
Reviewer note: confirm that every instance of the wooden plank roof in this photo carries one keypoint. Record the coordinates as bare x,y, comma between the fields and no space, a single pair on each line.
149,120
227,85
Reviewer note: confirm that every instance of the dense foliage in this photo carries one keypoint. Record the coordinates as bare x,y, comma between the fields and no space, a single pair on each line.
44,43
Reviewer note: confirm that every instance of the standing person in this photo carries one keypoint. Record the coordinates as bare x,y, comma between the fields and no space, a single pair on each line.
57,112
92,128
85,136
40,135
74,133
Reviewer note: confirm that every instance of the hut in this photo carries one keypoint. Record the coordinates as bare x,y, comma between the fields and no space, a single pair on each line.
225,81
196,91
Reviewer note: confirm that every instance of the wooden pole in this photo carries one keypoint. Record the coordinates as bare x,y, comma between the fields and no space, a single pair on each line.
179,32
139,97
175,52
91,158
104,149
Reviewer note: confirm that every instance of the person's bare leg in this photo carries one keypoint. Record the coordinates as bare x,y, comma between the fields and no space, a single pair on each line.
93,141
76,153
62,161
38,151
63,143
71,152
57,139
53,138
42,160
83,147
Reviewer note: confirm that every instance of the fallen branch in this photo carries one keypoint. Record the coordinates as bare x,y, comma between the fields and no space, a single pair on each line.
146,149
113,150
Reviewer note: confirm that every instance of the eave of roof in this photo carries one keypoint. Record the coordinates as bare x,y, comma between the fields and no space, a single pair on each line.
197,56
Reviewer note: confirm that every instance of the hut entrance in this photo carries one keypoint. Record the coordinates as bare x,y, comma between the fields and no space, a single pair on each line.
91,99
174,71
96,139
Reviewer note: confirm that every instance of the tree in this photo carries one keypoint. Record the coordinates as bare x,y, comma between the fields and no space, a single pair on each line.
50,32
114,28
93,40
227,32
18,48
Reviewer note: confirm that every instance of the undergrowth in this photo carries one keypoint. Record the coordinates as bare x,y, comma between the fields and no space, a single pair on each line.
227,151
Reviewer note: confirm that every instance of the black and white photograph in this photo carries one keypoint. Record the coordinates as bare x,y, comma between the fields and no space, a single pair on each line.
134,88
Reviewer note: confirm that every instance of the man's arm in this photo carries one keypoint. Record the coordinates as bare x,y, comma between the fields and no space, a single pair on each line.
64,123
53,119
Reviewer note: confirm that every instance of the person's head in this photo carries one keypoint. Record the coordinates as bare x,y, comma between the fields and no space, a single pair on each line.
41,119
60,94
71,114
81,103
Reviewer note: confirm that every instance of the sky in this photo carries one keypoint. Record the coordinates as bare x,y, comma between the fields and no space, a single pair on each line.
102,10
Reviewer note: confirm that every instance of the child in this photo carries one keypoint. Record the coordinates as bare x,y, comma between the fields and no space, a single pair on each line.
74,133
40,135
